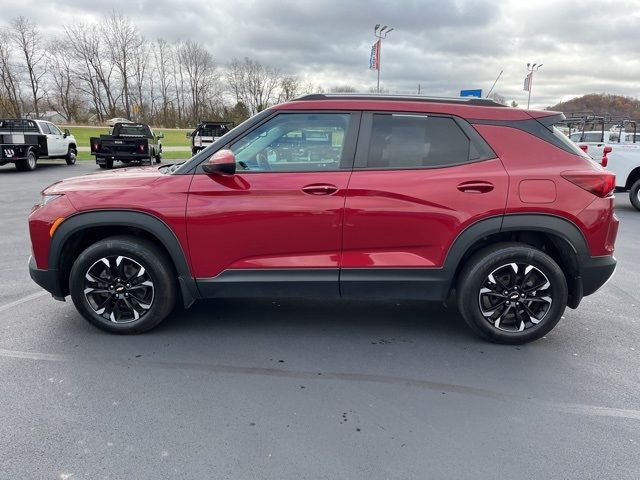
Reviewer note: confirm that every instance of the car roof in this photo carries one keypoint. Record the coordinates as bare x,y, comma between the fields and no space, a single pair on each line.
470,108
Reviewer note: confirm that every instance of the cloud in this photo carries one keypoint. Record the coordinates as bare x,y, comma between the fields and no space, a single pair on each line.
444,46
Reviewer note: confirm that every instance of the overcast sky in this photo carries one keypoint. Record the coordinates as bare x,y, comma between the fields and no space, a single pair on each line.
585,46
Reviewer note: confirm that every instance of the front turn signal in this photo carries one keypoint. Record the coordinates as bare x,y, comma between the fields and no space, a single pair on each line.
55,225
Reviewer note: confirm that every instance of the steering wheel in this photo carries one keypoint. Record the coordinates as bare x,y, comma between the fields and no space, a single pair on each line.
263,162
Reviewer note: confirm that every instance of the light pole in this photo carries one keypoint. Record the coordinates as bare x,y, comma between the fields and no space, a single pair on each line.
531,69
380,34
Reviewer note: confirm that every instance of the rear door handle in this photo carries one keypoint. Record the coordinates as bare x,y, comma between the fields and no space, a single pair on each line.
475,187
320,189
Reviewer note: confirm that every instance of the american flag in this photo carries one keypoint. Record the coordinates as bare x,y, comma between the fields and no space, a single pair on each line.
527,82
374,59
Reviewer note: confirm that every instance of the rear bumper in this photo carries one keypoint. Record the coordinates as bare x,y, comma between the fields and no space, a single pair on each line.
101,158
595,272
47,279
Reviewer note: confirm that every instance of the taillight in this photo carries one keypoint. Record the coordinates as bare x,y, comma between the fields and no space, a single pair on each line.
96,147
600,184
584,148
141,147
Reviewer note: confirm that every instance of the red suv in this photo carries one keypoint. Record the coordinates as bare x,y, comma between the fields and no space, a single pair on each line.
343,196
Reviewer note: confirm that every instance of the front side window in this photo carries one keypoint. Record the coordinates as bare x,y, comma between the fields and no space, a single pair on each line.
294,142
416,141
54,130
45,128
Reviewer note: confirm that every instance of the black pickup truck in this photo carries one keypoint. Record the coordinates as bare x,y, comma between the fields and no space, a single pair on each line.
127,142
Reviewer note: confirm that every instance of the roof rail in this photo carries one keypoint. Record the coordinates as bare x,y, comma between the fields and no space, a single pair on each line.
410,98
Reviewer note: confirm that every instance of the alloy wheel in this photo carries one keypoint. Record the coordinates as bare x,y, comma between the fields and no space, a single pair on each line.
515,297
119,289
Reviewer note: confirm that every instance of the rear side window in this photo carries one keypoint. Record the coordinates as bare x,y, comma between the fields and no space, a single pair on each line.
400,141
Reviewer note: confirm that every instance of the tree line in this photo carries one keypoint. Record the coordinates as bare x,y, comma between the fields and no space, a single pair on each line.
96,71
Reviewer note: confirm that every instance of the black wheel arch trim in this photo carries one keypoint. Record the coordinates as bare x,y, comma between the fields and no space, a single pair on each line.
128,218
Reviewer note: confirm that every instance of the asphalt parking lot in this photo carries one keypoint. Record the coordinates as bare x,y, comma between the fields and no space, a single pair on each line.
288,389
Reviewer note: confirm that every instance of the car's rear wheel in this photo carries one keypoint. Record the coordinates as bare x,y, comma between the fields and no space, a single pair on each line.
123,284
634,195
511,293
70,158
29,163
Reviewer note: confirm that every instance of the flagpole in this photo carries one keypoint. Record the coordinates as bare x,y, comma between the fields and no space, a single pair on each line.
379,63
380,35
531,69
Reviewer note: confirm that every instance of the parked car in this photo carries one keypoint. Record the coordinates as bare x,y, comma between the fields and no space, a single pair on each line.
420,198
24,141
619,152
206,133
127,142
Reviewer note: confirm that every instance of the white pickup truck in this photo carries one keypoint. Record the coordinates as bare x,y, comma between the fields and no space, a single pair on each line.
619,152
24,141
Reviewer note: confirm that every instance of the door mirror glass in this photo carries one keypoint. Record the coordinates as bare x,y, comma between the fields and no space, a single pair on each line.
160,135
67,132
223,162
189,134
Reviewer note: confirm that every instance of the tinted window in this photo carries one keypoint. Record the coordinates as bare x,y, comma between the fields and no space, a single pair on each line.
45,128
415,141
212,130
294,142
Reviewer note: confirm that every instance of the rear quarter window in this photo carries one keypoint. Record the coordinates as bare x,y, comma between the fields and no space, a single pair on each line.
405,141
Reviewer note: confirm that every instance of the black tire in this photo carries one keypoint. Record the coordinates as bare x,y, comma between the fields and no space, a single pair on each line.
108,163
71,155
129,305
158,156
102,165
147,161
511,299
194,151
634,195
28,164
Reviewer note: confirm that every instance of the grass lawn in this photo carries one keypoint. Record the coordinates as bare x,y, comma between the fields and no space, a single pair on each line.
173,137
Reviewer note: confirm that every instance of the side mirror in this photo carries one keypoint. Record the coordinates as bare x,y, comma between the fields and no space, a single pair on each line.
67,133
223,162
161,135
189,134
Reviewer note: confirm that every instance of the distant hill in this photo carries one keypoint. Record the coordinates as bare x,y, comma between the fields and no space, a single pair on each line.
601,103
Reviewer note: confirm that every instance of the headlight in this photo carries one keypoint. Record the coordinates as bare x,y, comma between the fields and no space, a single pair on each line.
48,198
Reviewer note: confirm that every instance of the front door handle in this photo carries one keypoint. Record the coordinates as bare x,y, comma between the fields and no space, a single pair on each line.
475,187
320,189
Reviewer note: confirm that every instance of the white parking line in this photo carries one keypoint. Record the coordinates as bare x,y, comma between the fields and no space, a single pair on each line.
22,300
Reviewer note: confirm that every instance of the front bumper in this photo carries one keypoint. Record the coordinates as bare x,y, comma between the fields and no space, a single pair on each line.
47,279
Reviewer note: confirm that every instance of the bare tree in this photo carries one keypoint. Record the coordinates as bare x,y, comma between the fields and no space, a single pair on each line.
254,84
122,39
10,100
27,38
199,66
140,66
93,68
290,88
162,57
343,89
62,96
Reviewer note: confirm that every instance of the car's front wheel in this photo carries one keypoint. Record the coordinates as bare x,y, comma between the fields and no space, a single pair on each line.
70,158
123,284
511,293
